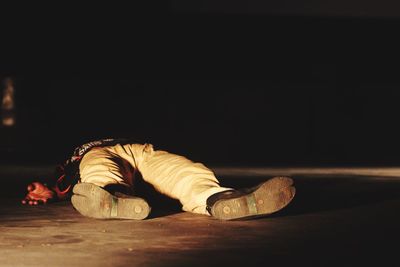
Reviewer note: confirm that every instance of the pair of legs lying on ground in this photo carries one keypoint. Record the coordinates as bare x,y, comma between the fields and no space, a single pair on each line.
107,174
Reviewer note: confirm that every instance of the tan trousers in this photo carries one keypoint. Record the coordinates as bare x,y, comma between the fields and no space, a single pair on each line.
175,176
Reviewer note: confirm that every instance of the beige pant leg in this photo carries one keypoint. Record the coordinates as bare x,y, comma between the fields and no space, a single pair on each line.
177,177
102,166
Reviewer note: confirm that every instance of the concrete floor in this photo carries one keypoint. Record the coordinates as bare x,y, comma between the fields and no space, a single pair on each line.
336,219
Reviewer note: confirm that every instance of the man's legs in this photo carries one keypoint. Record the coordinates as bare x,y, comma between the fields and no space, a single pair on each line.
193,184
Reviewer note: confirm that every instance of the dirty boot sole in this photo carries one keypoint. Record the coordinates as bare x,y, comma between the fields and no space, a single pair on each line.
269,197
93,201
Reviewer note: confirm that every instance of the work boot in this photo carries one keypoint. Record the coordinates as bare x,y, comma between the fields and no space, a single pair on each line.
96,202
266,198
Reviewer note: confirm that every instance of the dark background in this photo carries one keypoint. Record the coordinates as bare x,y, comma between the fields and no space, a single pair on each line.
285,83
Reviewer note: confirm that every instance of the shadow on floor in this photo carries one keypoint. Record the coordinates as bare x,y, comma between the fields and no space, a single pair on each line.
315,194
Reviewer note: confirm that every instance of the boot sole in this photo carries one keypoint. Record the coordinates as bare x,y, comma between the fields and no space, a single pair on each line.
269,197
93,201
